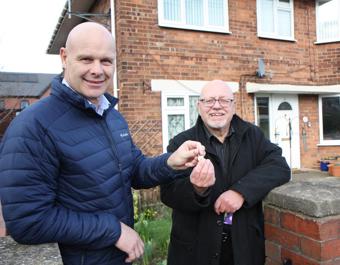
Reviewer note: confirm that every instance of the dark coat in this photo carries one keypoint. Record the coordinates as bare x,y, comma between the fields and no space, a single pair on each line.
66,175
256,167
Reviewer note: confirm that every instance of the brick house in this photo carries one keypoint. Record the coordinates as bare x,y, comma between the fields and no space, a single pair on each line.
281,57
19,90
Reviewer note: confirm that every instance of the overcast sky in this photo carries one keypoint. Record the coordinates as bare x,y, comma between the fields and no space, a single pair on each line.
26,27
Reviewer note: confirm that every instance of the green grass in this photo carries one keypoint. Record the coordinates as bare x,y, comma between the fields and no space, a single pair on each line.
154,229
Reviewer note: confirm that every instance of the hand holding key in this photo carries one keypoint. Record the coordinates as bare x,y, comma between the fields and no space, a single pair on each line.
203,175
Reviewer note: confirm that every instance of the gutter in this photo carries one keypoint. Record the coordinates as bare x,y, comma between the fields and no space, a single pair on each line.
113,31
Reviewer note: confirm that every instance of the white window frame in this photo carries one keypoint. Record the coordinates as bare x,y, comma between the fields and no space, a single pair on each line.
179,88
275,34
175,110
182,25
318,40
260,95
322,141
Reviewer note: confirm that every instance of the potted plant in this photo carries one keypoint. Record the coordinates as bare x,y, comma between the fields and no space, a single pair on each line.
334,169
325,162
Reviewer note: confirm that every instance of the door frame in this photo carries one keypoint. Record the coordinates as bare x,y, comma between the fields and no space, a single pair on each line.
294,159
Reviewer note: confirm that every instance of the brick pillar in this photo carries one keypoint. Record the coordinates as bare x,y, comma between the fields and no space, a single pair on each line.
302,223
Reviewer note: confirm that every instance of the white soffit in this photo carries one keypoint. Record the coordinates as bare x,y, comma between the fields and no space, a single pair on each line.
191,86
291,89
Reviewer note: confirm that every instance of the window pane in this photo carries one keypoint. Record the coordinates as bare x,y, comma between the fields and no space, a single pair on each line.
331,118
328,20
175,102
193,109
284,3
206,15
284,23
267,16
216,12
172,10
263,114
284,106
194,12
175,125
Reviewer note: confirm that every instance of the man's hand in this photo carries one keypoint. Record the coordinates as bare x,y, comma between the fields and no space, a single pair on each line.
130,242
186,155
228,202
203,175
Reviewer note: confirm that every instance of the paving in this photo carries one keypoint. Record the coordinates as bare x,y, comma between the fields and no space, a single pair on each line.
12,253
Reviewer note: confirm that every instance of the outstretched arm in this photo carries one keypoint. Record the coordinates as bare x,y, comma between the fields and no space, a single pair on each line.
152,171
186,155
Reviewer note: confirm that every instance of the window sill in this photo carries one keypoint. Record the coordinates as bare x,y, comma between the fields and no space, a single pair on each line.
276,38
326,42
205,29
326,144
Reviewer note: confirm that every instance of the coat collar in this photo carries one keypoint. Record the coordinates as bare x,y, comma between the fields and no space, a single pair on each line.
239,126
66,94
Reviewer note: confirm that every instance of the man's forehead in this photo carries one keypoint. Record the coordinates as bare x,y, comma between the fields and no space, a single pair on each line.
216,92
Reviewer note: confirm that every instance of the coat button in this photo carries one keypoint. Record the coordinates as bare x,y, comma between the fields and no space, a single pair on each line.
219,222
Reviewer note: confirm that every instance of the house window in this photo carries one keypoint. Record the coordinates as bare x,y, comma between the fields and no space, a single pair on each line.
262,114
179,114
204,15
275,19
179,104
328,20
330,119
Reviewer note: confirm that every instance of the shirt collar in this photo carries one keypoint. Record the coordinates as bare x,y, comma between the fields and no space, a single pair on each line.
103,103
210,136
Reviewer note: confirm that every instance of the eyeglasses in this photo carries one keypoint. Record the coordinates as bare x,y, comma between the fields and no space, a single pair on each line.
222,101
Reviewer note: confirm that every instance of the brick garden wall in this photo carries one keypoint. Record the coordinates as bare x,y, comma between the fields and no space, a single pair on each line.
302,222
301,238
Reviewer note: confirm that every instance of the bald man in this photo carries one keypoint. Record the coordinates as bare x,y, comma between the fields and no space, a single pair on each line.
67,163
223,224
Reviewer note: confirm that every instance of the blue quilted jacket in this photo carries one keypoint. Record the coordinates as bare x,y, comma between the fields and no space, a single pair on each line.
66,175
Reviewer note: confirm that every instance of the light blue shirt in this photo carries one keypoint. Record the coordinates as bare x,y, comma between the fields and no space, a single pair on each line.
103,103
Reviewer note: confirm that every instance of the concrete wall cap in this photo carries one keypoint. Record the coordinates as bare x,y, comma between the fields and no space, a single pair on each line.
317,197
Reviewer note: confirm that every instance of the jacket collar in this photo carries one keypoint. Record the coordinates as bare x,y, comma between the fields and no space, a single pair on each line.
66,94
239,126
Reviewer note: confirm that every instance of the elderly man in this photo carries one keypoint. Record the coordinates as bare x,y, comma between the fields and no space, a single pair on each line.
223,224
67,163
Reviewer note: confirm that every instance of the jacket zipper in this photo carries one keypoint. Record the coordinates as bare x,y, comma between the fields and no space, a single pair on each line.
115,154
112,144
82,259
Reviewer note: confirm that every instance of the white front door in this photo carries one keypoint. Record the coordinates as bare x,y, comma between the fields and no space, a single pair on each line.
284,126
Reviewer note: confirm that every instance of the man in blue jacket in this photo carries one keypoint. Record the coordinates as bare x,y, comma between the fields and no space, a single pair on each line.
67,163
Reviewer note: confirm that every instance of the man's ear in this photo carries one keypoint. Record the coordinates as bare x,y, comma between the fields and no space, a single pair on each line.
63,55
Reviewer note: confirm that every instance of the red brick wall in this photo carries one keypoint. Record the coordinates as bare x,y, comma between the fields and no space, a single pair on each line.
12,105
303,240
147,51
311,152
